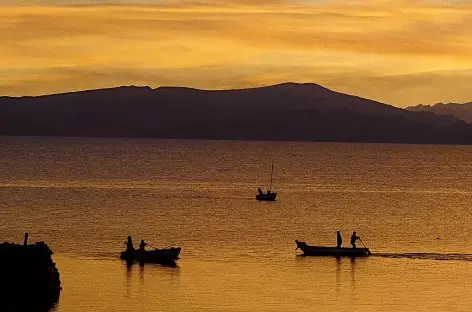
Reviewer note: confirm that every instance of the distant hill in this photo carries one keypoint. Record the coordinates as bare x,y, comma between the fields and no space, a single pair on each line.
289,111
460,111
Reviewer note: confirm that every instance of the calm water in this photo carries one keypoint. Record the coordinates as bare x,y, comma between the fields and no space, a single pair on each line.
411,204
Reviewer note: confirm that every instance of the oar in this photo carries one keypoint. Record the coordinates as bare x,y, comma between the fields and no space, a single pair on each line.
368,251
159,248
152,246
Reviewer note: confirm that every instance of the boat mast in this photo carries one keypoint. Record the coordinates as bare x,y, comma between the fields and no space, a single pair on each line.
270,186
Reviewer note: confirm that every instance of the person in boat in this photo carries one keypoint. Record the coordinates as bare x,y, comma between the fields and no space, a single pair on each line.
129,245
260,191
339,239
268,191
142,245
354,238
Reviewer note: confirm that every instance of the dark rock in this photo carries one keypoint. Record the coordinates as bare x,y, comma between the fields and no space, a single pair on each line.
29,279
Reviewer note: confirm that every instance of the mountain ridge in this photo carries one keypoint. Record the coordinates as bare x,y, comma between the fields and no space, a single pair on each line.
462,111
287,111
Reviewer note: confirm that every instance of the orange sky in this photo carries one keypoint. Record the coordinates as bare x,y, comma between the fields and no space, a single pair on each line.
398,52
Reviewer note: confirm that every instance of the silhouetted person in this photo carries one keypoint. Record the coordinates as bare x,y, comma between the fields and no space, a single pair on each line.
25,242
129,245
268,191
339,239
142,245
259,191
354,237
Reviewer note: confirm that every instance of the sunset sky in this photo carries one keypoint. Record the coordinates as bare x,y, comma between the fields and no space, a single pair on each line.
397,52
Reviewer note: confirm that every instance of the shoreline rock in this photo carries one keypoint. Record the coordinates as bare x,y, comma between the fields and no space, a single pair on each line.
29,277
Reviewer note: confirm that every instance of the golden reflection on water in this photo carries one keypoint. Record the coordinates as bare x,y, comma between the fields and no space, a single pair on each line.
290,284
84,196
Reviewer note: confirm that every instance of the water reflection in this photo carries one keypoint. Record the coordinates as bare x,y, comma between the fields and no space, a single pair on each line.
131,267
340,262
73,197
352,260
338,273
141,274
427,256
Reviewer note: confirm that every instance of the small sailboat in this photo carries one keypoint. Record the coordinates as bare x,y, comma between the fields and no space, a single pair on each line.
269,195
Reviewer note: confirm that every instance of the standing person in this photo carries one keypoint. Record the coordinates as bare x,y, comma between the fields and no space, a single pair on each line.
354,237
339,239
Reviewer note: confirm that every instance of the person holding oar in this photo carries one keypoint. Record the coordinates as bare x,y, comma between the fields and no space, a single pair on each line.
354,237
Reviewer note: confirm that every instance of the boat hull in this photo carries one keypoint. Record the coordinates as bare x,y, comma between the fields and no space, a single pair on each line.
331,251
160,256
268,197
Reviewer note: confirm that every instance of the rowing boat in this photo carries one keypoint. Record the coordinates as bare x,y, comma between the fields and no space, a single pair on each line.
152,256
331,251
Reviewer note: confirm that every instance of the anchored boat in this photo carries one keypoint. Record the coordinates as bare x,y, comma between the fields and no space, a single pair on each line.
269,195
331,251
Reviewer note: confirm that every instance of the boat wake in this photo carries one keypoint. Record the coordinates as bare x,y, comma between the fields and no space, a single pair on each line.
427,256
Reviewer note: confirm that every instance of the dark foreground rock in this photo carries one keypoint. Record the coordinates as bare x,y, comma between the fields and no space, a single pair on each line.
29,279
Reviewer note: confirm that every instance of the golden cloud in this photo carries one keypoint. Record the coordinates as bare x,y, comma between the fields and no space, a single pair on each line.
226,44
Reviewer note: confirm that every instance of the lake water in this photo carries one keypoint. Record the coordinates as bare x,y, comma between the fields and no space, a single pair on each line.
411,205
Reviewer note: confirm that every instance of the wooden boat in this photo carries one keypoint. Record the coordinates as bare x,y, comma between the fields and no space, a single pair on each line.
160,256
331,251
269,196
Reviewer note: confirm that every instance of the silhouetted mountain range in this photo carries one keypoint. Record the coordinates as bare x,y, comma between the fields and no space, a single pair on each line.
289,111
460,111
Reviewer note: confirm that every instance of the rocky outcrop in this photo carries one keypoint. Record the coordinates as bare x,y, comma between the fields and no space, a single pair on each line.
29,277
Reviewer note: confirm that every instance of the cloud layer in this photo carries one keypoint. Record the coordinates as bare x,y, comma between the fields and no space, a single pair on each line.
396,52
